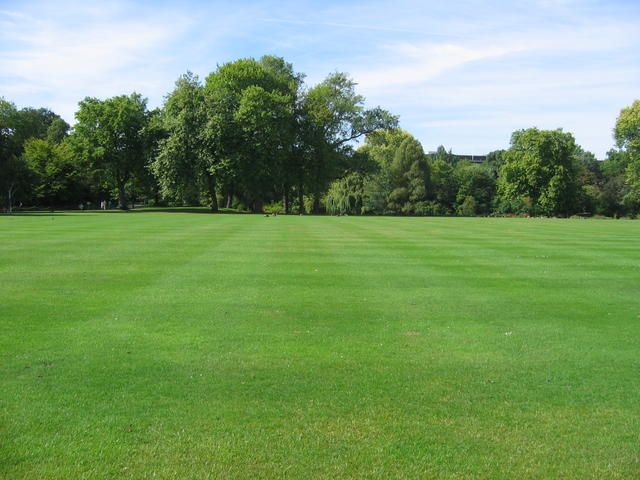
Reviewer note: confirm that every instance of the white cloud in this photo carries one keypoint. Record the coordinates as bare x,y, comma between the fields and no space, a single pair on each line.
570,75
103,54
416,64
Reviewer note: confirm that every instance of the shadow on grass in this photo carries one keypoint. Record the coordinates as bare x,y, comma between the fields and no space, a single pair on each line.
206,210
36,214
47,213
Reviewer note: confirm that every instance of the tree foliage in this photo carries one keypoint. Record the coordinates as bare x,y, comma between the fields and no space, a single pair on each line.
180,165
109,135
627,135
539,172
254,136
476,188
345,196
17,129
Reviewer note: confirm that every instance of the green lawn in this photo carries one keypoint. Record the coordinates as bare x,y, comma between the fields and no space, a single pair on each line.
186,345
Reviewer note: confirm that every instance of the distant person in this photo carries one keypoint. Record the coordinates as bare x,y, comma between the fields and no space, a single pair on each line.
81,206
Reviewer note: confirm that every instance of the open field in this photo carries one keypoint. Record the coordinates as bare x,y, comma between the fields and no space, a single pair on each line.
177,345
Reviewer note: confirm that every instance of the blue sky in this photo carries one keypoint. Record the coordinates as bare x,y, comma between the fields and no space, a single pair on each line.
464,74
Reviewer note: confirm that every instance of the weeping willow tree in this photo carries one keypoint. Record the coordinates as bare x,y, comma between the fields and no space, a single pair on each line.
345,195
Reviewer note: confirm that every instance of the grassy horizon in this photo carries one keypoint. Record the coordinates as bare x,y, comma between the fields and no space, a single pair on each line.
160,345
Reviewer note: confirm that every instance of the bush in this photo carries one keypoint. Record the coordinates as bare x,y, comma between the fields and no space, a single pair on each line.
468,207
275,207
345,196
429,209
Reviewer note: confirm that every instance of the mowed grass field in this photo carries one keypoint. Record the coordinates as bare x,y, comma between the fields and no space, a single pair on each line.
193,346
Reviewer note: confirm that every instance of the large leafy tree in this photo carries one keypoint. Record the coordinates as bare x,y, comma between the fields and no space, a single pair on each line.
346,195
334,117
181,165
494,161
265,121
37,123
17,129
539,172
57,177
11,168
476,188
611,197
110,136
380,148
250,134
627,136
444,185
632,179
409,176
627,129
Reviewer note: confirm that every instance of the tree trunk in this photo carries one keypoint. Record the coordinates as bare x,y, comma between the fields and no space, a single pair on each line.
10,199
301,199
211,184
257,206
316,203
286,199
229,199
122,197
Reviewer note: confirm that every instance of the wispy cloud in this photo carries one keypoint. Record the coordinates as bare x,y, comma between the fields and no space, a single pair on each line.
102,54
572,74
410,64
343,25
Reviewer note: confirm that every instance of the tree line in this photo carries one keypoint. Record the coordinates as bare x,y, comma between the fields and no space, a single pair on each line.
253,136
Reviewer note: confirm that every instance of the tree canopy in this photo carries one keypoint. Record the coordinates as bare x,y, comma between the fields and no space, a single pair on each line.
253,135
539,172
109,135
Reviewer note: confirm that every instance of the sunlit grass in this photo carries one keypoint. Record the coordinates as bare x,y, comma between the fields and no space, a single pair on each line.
183,345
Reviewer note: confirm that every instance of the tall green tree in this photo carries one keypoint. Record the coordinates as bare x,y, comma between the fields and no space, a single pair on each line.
444,185
539,172
632,179
627,129
380,148
36,123
181,165
476,188
346,195
409,176
627,136
494,161
250,118
334,117
265,121
110,136
17,128
9,164
610,198
57,178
